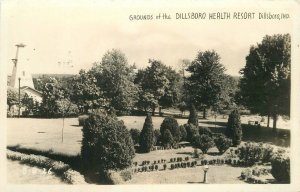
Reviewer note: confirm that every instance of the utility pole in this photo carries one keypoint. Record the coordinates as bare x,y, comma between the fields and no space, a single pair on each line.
19,113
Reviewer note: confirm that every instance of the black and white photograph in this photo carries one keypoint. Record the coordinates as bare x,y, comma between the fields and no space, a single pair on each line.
174,95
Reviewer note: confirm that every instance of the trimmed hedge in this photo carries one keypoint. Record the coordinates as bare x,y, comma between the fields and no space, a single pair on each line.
60,169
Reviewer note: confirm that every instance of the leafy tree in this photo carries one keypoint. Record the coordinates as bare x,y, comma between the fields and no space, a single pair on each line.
172,125
51,93
193,117
135,135
115,78
28,103
168,140
12,97
266,78
147,135
158,86
85,92
228,94
106,144
182,107
203,142
183,133
205,82
234,129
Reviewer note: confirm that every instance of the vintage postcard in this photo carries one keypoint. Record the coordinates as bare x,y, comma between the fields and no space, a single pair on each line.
150,95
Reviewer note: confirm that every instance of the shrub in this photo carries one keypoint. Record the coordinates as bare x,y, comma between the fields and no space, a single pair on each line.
172,166
183,133
267,153
104,137
281,167
234,129
205,130
170,124
222,143
203,142
81,119
193,117
135,135
147,136
191,131
168,139
250,153
157,137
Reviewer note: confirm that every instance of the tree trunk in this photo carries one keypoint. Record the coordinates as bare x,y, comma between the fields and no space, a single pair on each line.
160,114
274,122
204,113
153,110
268,123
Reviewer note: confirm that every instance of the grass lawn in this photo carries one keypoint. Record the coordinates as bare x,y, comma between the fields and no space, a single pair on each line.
216,174
46,134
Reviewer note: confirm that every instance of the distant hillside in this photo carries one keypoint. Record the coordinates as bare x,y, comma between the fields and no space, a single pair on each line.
52,75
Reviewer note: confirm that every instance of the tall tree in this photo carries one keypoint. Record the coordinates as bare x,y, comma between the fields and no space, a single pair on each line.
115,78
205,81
147,135
266,78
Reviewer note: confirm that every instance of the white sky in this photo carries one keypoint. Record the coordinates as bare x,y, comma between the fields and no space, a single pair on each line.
59,31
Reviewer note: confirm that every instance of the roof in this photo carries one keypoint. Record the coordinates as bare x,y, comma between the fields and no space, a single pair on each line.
24,88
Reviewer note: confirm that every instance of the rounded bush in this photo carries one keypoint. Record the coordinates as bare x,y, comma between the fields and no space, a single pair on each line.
222,143
104,137
135,135
205,130
281,167
171,124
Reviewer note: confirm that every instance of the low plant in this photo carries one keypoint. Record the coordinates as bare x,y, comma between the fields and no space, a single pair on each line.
281,166
81,119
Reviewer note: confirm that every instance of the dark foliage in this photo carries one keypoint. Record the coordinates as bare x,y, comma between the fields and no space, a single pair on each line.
234,129
147,135
183,133
168,140
172,125
193,117
106,144
191,131
222,142
206,131
135,135
203,142
281,167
